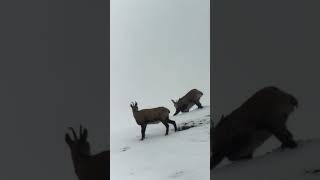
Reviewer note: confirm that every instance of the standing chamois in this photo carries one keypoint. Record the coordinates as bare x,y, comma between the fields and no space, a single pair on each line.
87,166
239,134
152,116
187,101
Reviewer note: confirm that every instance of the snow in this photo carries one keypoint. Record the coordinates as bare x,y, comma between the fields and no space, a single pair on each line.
302,163
180,155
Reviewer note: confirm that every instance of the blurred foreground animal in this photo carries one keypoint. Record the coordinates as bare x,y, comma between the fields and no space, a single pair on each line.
87,166
187,101
152,116
240,133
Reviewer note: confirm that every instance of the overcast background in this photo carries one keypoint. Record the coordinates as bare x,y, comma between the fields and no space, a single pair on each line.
160,49
53,75
259,43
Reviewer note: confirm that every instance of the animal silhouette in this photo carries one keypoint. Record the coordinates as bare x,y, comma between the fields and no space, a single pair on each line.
151,116
187,101
87,166
239,134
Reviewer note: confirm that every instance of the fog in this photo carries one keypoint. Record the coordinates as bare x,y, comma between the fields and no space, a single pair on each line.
159,51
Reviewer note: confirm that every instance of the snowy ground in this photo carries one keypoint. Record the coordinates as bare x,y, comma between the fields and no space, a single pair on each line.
180,155
302,163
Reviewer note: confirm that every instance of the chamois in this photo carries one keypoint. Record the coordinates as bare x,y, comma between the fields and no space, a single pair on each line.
187,101
152,116
87,166
239,134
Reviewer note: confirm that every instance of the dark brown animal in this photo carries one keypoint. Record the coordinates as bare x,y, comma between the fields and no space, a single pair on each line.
87,166
152,116
187,101
240,133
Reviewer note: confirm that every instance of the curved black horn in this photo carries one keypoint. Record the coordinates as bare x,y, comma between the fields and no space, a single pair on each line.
136,103
81,130
74,133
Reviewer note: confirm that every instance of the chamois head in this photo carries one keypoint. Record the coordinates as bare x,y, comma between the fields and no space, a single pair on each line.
78,146
134,106
175,103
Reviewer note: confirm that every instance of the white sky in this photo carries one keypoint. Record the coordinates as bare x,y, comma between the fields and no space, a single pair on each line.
159,50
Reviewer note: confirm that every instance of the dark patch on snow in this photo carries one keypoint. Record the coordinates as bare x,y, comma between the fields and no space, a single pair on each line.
177,174
312,171
185,127
125,149
191,124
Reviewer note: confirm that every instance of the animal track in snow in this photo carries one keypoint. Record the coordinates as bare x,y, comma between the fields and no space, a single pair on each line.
177,174
125,149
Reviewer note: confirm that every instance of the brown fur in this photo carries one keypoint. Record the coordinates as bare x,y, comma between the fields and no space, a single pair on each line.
87,166
240,133
152,116
187,101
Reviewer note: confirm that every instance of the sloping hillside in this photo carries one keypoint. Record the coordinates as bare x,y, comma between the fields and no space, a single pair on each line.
302,163
180,155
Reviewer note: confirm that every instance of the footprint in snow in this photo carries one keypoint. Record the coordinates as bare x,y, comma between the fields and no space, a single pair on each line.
177,174
125,149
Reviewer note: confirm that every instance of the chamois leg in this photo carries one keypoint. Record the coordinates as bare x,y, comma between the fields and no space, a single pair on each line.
215,160
289,135
173,123
143,131
167,126
283,135
198,104
184,108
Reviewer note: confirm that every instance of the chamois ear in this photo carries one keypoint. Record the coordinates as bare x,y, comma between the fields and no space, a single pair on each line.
80,129
84,135
74,133
68,139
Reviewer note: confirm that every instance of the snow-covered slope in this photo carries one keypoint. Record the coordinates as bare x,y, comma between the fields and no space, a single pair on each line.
302,163
180,155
